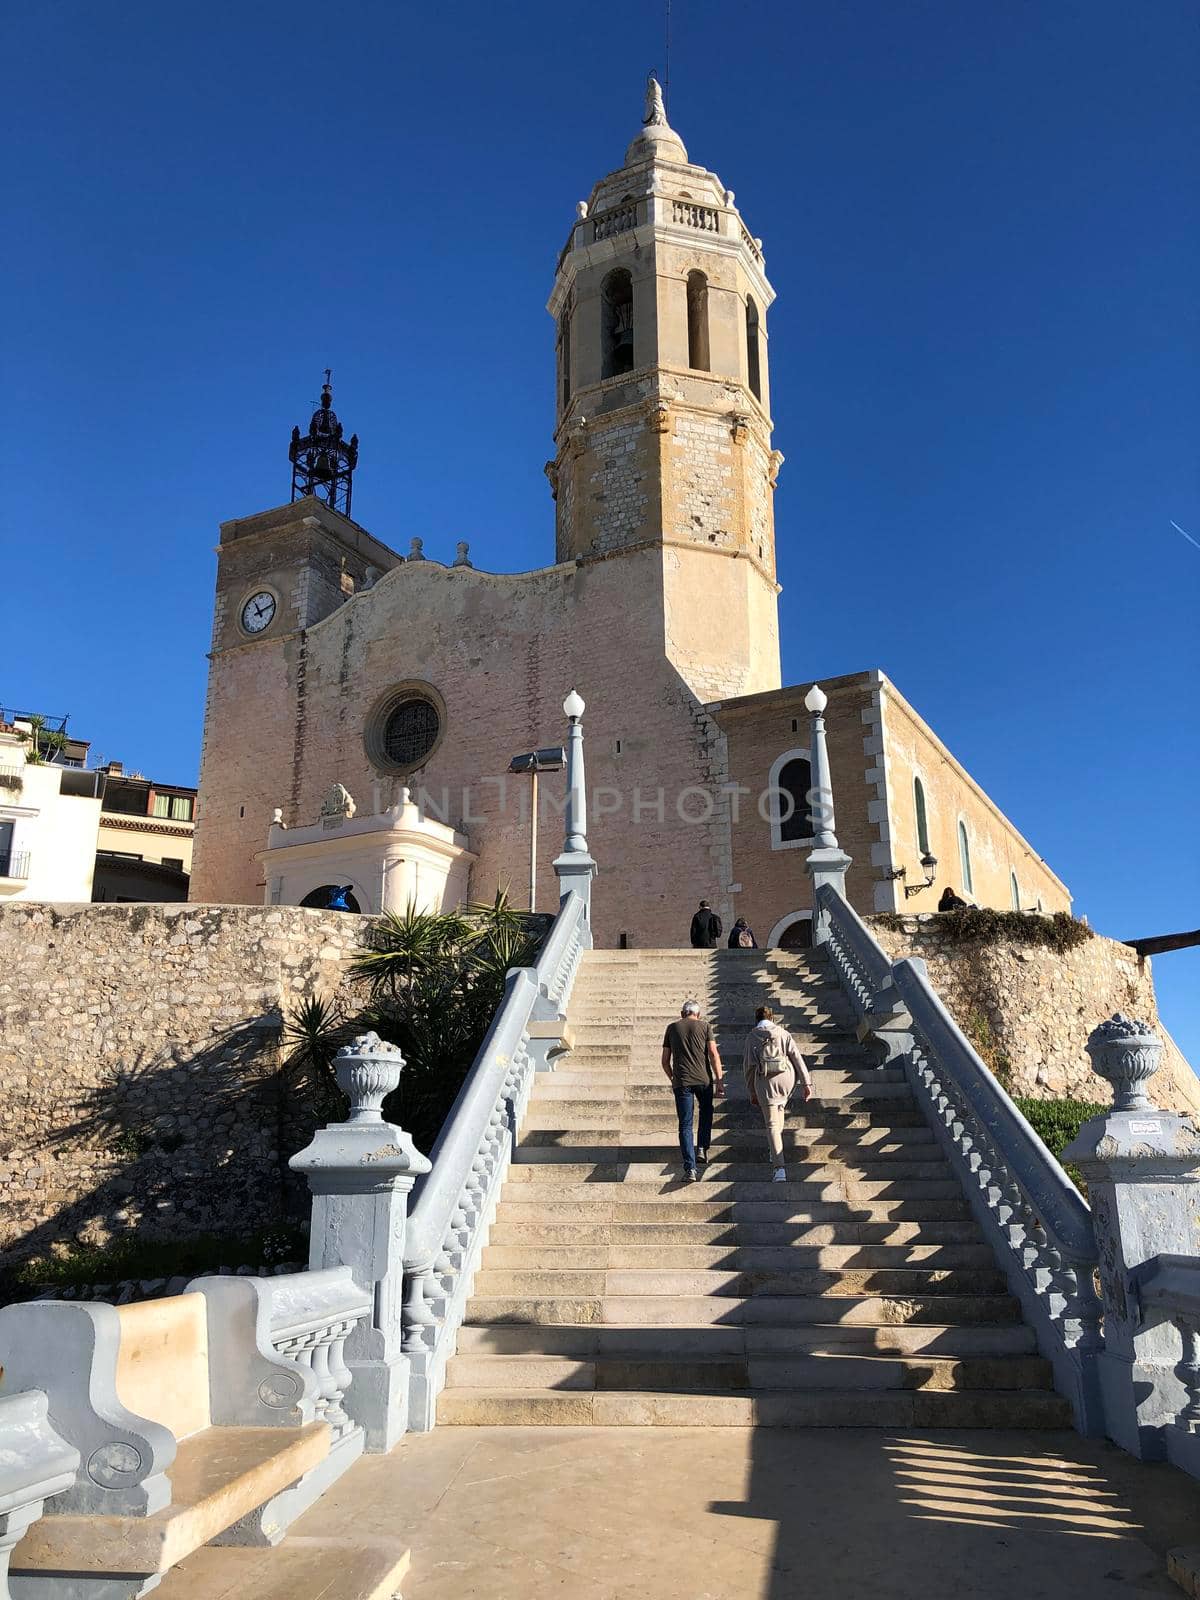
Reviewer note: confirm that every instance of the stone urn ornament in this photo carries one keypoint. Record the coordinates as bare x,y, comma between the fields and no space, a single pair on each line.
367,1070
1128,1054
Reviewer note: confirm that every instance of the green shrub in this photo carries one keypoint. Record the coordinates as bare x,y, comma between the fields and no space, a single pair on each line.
981,925
1056,1122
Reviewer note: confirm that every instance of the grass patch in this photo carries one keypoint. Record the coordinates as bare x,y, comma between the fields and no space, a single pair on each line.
138,1259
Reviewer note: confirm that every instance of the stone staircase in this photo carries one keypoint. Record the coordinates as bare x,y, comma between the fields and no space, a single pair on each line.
859,1293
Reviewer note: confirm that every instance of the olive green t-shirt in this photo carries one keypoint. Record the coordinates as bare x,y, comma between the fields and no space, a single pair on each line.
688,1041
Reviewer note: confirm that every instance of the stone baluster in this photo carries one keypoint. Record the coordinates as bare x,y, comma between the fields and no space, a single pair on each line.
1188,1373
360,1173
1142,1167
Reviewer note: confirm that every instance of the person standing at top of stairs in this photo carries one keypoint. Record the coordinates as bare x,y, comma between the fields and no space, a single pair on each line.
692,1062
706,928
773,1064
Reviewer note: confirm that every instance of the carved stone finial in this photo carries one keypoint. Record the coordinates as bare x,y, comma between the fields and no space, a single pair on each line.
1128,1054
277,818
462,556
581,209
338,802
416,550
656,114
367,1070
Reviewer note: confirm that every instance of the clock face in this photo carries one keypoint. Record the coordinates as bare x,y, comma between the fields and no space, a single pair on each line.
258,611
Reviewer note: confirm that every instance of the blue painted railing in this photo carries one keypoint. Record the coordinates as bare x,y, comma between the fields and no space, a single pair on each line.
1037,1222
454,1204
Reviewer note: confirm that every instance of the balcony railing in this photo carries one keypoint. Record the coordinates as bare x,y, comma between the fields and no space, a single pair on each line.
619,220
14,864
11,777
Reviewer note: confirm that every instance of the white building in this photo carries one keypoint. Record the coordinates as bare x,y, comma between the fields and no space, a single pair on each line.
49,820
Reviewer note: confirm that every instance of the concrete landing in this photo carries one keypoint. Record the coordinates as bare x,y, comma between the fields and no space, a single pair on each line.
764,1514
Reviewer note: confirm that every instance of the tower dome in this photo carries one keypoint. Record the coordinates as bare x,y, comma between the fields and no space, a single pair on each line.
658,139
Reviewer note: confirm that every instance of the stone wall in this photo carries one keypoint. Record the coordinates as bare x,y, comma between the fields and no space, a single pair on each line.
1029,1009
140,1060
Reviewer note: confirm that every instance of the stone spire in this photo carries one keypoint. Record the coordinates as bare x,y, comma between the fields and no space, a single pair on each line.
657,140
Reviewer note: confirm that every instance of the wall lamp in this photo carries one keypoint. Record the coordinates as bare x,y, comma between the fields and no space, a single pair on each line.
929,862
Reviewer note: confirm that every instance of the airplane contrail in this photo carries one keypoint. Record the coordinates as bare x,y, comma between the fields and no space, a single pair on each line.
1185,533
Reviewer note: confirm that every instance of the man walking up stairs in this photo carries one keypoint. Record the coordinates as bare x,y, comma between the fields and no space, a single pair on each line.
857,1292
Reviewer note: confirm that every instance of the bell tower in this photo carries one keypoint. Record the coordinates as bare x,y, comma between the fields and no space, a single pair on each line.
663,435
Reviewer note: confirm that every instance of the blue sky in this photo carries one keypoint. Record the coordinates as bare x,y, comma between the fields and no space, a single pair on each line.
983,226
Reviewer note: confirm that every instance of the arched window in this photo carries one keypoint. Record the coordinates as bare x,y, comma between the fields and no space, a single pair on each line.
922,816
1015,888
964,857
697,310
791,812
752,367
616,324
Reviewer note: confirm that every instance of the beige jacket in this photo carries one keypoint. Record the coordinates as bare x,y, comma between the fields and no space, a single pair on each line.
777,1090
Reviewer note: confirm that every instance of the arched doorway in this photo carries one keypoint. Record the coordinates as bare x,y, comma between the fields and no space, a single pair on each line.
793,932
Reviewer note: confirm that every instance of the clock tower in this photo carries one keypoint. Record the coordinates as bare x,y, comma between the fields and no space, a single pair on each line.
278,574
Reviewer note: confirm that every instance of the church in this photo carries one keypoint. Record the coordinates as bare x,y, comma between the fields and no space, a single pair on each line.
364,706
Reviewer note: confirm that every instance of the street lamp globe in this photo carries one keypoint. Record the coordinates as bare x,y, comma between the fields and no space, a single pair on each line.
573,705
816,699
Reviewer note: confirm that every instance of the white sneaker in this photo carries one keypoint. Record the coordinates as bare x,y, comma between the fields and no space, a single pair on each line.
779,1175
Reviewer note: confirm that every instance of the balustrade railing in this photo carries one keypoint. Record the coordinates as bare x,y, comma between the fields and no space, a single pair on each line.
1167,1289
751,246
619,220
454,1204
14,864
311,1315
1037,1222
691,215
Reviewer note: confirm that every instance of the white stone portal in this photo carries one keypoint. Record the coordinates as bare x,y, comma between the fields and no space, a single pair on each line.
396,858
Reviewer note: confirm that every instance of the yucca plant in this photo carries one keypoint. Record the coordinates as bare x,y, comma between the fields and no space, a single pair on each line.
434,980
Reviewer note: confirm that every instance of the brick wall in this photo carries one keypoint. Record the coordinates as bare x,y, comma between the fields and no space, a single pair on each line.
139,1065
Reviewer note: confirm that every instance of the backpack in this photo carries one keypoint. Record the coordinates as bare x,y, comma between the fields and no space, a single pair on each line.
745,939
772,1061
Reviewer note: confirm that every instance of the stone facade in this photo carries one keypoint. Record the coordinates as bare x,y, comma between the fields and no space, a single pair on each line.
661,610
139,1064
1029,1009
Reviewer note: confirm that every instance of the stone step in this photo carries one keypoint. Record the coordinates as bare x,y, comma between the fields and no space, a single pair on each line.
626,1256
732,1163
623,1203
352,1567
592,1340
825,1408
715,1374
733,1311
656,1282
677,1233
564,1179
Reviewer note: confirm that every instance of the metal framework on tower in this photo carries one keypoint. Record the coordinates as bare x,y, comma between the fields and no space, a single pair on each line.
323,462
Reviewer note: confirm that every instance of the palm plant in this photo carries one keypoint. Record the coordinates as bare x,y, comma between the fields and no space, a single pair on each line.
434,980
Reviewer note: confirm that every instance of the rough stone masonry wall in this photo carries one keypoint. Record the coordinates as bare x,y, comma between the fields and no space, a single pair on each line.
1029,1009
139,1065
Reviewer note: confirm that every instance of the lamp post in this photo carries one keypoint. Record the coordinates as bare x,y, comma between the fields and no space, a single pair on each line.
827,861
533,762
575,867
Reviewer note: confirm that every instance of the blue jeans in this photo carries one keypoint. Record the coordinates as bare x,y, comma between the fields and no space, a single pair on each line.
684,1097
